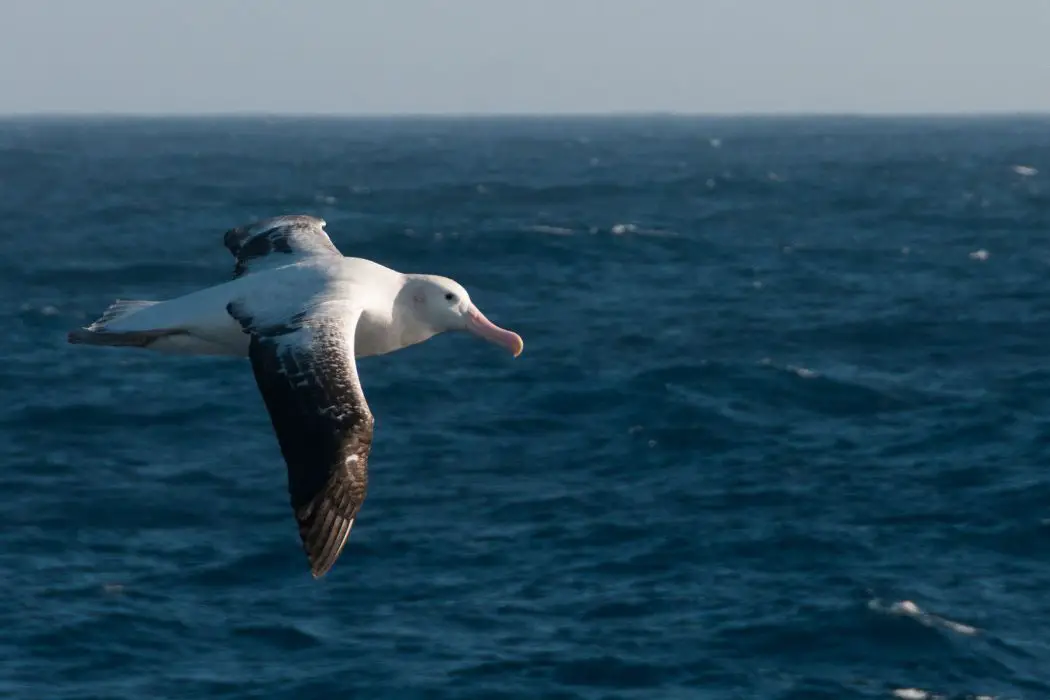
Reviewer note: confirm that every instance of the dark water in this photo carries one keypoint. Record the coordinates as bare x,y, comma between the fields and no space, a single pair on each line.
780,429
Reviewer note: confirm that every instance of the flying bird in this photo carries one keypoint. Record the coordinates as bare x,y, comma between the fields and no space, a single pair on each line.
302,313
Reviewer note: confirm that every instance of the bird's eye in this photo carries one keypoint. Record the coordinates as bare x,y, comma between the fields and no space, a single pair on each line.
449,296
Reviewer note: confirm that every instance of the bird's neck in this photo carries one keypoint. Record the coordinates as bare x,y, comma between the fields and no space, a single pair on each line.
390,326
407,327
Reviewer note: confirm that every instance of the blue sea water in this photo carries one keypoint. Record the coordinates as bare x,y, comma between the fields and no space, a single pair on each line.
780,430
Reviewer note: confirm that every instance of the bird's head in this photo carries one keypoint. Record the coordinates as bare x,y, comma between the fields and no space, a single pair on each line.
443,304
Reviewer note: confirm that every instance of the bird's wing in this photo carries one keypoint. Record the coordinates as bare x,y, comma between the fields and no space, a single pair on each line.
278,241
308,379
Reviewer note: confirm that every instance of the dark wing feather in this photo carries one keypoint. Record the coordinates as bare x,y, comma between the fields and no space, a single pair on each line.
277,241
308,379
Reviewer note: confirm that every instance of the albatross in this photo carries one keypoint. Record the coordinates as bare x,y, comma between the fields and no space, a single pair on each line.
302,313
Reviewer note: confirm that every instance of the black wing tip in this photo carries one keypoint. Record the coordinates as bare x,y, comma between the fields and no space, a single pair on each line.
325,524
238,235
324,544
263,237
234,239
318,570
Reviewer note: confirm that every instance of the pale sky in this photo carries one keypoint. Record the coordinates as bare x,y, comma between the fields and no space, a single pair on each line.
524,56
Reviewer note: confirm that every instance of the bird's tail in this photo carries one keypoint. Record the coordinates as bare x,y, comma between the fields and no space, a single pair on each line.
118,310
98,334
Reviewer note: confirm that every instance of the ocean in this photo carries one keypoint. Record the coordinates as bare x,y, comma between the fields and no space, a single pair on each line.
780,429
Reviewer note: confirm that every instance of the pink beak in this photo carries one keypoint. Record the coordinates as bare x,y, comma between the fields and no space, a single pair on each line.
484,328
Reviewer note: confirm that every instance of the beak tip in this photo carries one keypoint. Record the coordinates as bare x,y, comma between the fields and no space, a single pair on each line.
481,326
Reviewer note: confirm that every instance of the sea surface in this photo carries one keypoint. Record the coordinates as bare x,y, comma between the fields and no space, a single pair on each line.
780,431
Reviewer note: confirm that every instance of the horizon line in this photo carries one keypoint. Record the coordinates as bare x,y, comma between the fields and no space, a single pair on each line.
608,114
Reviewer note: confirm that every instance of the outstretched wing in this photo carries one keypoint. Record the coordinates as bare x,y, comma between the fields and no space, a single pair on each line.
277,241
308,379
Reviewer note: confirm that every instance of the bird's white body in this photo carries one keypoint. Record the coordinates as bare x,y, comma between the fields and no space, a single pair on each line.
208,329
